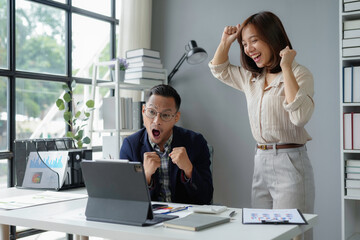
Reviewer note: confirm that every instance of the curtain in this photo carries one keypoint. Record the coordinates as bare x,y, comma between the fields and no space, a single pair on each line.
134,25
134,32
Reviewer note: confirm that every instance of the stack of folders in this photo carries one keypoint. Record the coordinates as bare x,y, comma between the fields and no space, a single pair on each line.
351,131
351,38
351,84
352,177
196,222
144,67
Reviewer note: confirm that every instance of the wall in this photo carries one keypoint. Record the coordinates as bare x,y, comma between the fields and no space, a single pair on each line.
219,112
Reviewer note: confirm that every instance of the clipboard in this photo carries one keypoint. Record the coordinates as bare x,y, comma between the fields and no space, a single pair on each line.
273,216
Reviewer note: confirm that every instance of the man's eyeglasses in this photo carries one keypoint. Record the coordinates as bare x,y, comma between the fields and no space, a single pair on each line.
152,113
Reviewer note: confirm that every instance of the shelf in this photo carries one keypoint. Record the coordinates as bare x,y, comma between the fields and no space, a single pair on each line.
351,198
353,58
357,104
128,86
350,205
351,151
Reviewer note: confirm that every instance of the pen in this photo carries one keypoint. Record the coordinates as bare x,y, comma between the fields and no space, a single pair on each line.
176,210
232,214
274,221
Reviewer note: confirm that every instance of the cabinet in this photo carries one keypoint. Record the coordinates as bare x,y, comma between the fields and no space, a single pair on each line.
111,138
349,40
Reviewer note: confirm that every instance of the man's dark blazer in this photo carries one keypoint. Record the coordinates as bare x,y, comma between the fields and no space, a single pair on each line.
199,190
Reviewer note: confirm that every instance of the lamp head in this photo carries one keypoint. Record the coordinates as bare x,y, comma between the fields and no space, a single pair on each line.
195,54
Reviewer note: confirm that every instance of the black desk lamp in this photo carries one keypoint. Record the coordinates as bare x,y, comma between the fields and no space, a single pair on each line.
193,55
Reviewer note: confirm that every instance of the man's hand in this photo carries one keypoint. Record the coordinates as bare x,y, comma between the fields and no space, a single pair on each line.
151,163
181,159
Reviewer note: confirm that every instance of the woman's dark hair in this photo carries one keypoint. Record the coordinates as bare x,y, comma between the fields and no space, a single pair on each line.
165,91
271,31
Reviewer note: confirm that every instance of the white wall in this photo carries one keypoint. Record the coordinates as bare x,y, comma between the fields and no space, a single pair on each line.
219,112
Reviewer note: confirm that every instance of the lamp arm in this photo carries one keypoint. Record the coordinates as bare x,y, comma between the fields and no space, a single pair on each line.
176,68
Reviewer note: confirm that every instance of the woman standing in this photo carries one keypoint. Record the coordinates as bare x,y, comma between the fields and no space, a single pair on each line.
279,94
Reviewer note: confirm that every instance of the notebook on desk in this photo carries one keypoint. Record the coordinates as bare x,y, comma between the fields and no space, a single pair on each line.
118,193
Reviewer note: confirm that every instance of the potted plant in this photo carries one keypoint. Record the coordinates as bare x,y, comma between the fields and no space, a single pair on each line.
76,119
123,65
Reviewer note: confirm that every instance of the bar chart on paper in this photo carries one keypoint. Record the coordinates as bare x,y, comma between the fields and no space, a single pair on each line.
45,169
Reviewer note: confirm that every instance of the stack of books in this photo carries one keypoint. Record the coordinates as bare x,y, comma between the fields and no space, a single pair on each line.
352,181
144,67
351,5
351,40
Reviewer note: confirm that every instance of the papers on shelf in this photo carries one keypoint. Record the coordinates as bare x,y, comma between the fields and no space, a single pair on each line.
38,199
276,216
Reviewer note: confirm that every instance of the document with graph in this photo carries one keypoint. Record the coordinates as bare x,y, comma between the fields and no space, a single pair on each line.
273,216
46,169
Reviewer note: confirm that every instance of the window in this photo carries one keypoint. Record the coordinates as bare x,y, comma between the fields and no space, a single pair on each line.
3,173
36,113
40,38
3,34
87,46
3,114
44,44
102,7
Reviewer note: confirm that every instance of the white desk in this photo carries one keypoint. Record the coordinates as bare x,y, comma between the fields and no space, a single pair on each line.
68,217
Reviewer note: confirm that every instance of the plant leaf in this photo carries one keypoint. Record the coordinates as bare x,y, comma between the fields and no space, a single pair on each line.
66,87
79,144
67,97
70,134
67,116
86,140
77,137
60,104
90,104
77,115
81,133
87,114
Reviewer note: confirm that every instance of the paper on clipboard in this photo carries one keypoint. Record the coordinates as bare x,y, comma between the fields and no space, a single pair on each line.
275,216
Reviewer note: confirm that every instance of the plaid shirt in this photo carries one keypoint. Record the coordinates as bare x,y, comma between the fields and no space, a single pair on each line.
165,194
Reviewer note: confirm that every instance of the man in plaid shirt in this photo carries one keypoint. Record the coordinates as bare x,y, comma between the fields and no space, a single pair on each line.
176,160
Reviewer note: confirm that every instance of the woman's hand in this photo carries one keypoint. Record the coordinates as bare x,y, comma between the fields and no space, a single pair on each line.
230,34
291,86
287,57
